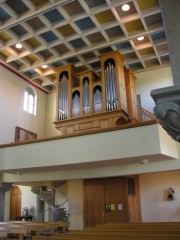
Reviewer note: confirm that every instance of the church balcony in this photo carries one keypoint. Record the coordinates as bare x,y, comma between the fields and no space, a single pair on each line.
119,151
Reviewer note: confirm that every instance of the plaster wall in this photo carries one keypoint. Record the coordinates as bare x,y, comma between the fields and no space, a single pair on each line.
154,204
51,116
11,107
150,80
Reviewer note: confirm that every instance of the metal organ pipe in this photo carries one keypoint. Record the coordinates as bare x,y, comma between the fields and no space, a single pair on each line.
115,98
63,98
110,87
86,96
97,100
106,90
66,99
76,104
59,101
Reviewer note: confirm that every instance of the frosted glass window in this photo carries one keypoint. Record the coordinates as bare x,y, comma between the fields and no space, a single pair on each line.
30,101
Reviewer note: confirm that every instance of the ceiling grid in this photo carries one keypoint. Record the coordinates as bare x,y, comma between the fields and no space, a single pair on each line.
58,32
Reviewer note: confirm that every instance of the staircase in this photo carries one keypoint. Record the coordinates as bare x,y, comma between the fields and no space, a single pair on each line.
47,195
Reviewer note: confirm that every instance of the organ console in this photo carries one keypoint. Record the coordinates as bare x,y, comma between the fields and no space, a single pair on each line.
86,102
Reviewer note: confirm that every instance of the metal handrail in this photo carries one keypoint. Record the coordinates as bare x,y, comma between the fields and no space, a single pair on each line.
145,115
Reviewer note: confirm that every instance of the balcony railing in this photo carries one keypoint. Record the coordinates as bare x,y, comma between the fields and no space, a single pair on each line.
145,115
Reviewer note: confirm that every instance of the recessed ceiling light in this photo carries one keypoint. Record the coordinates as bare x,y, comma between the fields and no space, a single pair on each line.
18,45
44,66
140,38
125,7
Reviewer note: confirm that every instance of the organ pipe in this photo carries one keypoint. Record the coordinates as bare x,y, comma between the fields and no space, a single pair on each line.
63,97
86,102
97,100
76,104
110,87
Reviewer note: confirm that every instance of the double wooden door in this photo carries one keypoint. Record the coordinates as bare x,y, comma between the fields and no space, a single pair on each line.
105,201
110,201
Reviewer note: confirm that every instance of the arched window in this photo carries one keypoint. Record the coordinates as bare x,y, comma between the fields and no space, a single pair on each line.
30,101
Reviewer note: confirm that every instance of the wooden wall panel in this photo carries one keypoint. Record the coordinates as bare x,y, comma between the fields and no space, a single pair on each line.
134,202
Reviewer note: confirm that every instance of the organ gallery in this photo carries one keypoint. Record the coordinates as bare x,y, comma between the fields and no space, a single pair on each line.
86,102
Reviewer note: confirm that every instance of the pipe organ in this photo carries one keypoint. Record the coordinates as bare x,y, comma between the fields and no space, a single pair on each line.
86,102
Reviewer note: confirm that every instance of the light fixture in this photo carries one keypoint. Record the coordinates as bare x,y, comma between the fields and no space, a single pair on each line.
140,38
44,66
19,172
144,161
19,45
171,193
125,7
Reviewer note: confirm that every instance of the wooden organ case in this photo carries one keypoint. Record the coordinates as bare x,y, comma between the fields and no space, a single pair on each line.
86,103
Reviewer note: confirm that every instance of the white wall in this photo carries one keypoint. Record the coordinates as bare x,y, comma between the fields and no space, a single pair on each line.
11,107
151,80
153,191
51,116
73,190
75,200
28,198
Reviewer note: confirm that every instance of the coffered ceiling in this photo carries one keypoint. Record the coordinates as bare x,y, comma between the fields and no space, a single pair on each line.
58,32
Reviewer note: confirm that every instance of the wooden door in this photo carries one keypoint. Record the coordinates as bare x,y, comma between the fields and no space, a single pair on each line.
94,202
15,204
105,201
116,205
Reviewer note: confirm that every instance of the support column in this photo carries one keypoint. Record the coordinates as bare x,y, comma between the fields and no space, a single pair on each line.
4,187
167,100
39,211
